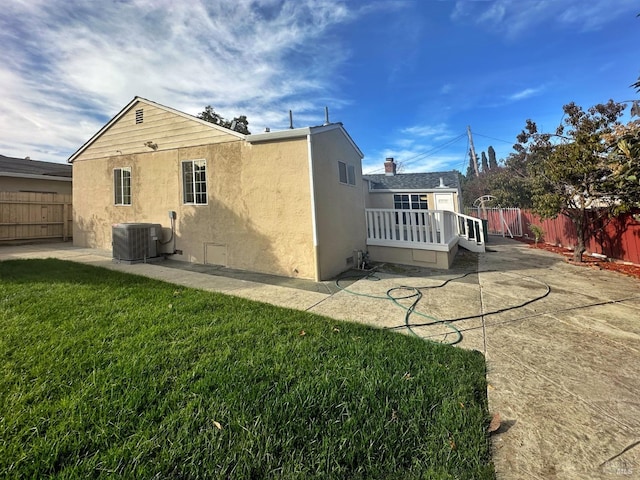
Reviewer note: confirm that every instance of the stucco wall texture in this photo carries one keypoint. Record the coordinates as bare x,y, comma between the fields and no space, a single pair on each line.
259,213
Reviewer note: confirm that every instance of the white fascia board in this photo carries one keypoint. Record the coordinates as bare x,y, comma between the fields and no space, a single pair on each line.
419,190
36,177
301,132
279,135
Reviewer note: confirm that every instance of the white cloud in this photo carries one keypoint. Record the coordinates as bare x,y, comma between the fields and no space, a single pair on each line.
514,17
524,94
447,88
71,65
420,148
438,132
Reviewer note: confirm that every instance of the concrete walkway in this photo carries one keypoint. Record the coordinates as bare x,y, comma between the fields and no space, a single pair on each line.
562,342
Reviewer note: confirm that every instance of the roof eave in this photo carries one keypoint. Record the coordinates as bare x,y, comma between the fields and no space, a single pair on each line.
302,132
35,176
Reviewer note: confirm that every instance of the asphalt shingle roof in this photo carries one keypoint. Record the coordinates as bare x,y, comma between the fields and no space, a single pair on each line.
412,181
34,167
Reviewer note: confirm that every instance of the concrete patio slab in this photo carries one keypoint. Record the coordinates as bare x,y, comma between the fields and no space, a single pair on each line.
562,342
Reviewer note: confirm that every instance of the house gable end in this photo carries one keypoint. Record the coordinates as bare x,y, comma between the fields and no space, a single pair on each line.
144,126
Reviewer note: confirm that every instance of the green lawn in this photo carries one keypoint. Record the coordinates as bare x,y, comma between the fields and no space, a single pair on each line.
108,375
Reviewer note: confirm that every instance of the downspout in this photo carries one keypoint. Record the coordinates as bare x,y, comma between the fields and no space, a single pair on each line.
314,226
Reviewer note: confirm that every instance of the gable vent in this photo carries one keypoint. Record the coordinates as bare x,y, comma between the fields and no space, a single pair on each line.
139,115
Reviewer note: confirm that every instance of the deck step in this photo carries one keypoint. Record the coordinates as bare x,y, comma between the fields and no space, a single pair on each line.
471,245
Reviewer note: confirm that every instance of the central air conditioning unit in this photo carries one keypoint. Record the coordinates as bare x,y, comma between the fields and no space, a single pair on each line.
135,242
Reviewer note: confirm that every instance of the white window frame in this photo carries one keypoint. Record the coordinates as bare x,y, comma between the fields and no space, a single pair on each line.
411,200
121,188
346,173
193,182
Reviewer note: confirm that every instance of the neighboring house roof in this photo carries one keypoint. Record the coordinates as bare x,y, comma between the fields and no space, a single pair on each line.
412,181
302,132
27,168
137,100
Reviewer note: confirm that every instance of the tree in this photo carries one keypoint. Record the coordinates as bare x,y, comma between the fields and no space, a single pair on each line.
626,159
485,163
493,163
239,124
571,172
471,171
511,183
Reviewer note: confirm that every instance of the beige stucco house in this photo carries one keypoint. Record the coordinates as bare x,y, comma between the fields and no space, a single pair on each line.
414,218
413,191
288,202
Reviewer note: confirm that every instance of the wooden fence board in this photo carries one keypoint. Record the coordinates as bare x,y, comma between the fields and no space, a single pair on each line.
618,239
32,216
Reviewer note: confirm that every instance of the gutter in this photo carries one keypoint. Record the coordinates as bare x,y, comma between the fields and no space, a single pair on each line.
36,176
314,225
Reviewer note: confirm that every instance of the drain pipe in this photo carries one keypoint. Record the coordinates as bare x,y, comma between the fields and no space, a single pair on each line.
314,226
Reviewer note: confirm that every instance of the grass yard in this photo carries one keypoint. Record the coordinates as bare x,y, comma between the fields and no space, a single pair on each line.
109,375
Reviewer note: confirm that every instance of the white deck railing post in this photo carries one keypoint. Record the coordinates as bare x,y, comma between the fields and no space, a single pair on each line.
425,229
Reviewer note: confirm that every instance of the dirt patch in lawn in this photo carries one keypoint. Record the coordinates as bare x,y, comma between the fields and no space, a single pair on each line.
624,268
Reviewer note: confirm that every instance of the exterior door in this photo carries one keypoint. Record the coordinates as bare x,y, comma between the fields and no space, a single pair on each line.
444,201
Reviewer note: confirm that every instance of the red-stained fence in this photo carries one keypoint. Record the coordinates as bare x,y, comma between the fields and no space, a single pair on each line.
618,239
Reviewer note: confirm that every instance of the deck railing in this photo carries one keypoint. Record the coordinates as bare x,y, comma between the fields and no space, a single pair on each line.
423,229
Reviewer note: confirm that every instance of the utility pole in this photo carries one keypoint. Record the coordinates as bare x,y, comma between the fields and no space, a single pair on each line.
477,170
473,152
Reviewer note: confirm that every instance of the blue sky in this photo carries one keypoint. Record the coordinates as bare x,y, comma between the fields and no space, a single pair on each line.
406,78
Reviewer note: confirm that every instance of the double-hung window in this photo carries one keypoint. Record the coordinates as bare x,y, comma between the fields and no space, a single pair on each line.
194,182
122,186
346,173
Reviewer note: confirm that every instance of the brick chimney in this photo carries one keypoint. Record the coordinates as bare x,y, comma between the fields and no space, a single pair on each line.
389,167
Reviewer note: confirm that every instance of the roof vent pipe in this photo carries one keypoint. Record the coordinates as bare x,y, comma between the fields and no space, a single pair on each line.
442,185
326,115
290,119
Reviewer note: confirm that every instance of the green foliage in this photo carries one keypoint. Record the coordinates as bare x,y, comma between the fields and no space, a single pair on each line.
109,375
570,170
626,158
485,163
493,163
239,124
537,231
471,171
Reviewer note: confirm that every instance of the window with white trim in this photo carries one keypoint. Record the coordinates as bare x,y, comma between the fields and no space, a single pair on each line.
194,182
122,186
346,173
403,201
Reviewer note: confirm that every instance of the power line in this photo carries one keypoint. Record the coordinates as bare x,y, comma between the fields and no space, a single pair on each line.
434,150
425,154
493,138
465,160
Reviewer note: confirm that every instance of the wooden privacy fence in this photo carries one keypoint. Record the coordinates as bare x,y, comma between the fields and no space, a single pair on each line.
618,238
34,216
